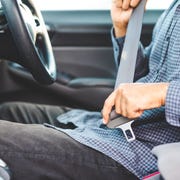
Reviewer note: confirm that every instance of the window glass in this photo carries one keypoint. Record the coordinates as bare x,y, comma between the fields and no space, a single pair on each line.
92,4
158,4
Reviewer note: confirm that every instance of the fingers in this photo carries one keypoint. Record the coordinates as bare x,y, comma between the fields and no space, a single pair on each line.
118,103
133,111
125,107
121,103
125,100
118,3
134,3
126,4
107,108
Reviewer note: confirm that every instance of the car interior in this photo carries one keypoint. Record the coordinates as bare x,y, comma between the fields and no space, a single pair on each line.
82,48
83,53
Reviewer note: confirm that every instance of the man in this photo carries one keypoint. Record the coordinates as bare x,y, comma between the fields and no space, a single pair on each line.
78,145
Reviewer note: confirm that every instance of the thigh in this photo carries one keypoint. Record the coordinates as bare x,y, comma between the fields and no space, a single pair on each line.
29,113
36,152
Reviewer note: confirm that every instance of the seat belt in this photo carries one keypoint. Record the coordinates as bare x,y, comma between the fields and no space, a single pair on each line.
127,66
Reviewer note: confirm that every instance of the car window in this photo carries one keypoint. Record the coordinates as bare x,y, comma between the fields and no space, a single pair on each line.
92,4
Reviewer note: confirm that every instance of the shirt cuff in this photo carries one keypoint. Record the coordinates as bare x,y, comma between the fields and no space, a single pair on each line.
117,46
172,105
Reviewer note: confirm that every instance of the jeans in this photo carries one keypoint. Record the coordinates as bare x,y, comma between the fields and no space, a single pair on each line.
34,152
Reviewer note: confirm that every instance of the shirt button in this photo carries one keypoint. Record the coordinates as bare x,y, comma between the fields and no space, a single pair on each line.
167,38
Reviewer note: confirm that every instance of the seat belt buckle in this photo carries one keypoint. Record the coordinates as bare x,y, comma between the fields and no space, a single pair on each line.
127,131
123,123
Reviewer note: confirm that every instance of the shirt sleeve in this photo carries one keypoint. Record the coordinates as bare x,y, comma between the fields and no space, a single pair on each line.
117,47
172,105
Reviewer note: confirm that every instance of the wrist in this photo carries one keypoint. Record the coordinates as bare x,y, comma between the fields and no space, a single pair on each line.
164,87
119,32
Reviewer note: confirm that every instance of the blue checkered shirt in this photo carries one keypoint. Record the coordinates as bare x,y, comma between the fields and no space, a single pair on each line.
154,127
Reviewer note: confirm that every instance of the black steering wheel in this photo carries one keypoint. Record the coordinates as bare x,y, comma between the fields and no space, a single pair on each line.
31,39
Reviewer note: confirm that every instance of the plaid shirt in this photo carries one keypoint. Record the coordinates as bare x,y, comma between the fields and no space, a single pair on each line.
163,123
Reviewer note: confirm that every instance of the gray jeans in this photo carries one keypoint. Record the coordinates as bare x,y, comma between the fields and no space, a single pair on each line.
33,151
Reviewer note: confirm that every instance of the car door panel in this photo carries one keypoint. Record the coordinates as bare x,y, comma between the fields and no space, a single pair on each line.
85,43
85,61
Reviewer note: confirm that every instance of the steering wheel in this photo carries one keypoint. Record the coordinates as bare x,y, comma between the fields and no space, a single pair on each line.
31,39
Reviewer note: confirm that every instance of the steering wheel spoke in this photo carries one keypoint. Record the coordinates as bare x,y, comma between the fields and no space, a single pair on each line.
31,38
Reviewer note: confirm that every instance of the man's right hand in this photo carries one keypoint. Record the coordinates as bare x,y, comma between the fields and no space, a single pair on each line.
121,11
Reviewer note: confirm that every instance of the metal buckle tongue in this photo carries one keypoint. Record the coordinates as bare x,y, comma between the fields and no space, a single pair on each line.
127,130
124,124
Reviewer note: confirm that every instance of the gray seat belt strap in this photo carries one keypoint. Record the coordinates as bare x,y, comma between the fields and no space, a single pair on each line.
129,53
127,66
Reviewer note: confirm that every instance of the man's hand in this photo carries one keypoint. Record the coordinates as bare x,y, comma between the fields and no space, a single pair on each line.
131,99
121,11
